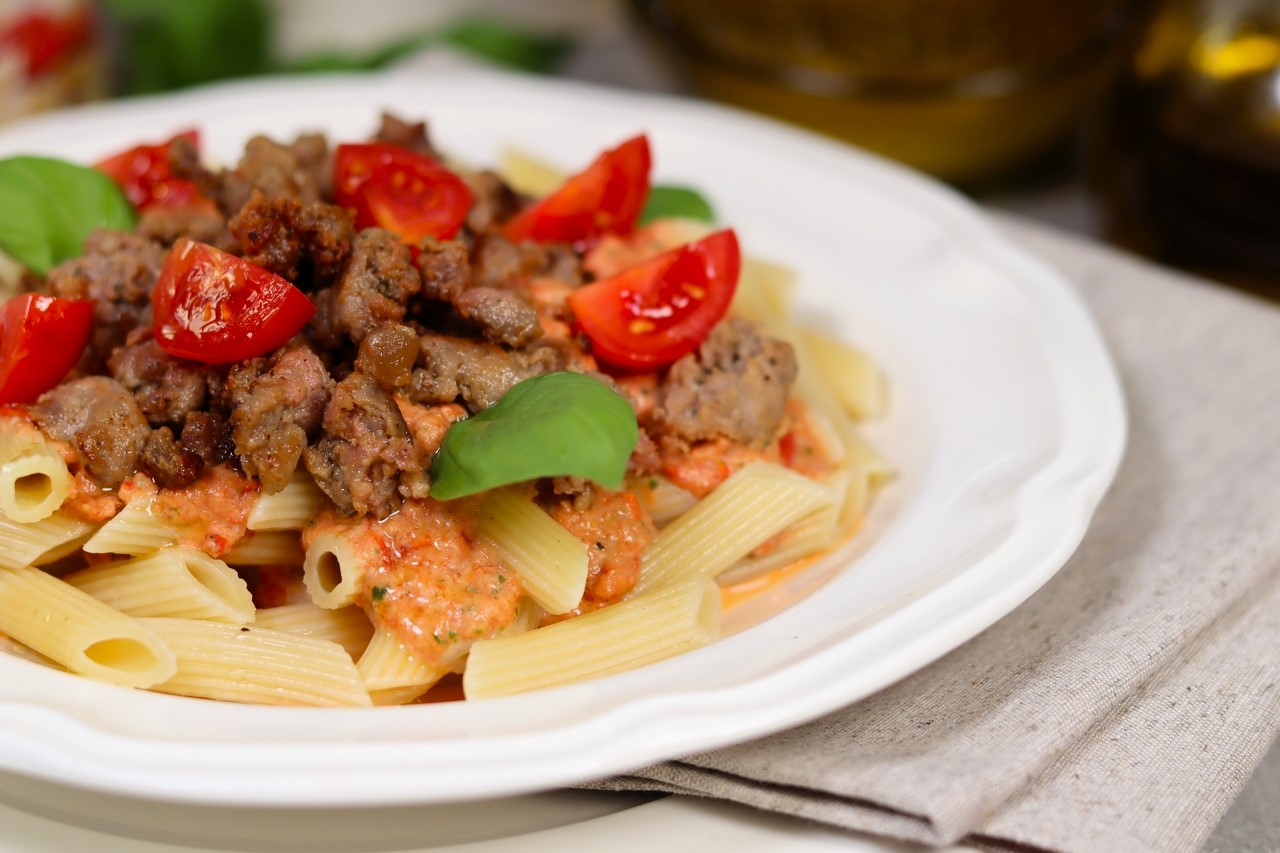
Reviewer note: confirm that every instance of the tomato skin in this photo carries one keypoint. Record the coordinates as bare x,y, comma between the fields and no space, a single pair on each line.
143,173
41,339
399,190
45,39
650,315
605,198
213,307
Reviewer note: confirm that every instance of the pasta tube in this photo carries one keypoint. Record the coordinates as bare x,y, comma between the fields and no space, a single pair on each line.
666,622
175,582
349,627
278,548
752,506
242,664
133,531
550,561
331,571
391,673
42,541
289,509
34,480
78,631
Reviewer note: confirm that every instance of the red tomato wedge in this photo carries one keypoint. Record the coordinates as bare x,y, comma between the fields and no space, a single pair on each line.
606,198
653,313
144,175
46,39
399,190
215,308
41,338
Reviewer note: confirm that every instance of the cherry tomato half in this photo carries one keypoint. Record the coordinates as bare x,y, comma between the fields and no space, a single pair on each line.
605,198
144,175
41,338
45,39
399,190
216,308
653,313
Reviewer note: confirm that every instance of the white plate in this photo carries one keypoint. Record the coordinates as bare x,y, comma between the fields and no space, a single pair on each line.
1007,425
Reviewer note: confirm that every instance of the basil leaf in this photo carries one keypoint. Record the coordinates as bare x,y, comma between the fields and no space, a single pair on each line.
48,207
679,202
559,424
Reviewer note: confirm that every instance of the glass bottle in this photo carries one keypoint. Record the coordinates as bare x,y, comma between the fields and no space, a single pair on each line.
1189,162
964,89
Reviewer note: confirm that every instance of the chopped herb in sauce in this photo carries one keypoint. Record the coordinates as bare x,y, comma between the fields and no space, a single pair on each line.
378,593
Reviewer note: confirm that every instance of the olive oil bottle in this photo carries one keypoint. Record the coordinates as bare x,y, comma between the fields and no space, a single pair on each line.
1189,163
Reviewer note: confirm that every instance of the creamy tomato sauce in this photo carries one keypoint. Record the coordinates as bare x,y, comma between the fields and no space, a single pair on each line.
429,579
209,515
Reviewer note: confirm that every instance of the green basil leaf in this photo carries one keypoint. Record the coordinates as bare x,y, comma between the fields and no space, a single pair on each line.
559,424
48,207
678,202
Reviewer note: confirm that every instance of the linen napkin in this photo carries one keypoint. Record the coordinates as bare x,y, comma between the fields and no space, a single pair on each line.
1124,705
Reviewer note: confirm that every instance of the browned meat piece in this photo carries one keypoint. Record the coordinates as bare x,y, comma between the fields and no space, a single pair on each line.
201,223
492,201
312,151
735,386
167,389
117,271
445,266
184,162
477,373
272,168
323,328
497,262
208,435
306,243
365,461
387,354
395,131
277,404
168,463
376,284
503,316
99,417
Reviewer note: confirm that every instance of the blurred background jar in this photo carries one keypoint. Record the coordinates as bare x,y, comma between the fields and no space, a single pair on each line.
50,55
1189,159
968,90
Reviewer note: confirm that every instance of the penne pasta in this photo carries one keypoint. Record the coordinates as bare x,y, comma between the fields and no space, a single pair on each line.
849,373
331,571
79,632
550,561
290,508
641,630
133,531
242,664
752,506
664,500
34,480
349,627
275,548
392,674
527,174
41,542
764,291
177,582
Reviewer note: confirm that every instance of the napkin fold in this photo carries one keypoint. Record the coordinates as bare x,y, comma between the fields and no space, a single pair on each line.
1124,705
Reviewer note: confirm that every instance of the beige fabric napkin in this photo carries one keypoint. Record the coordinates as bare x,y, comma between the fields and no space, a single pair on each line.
1124,705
